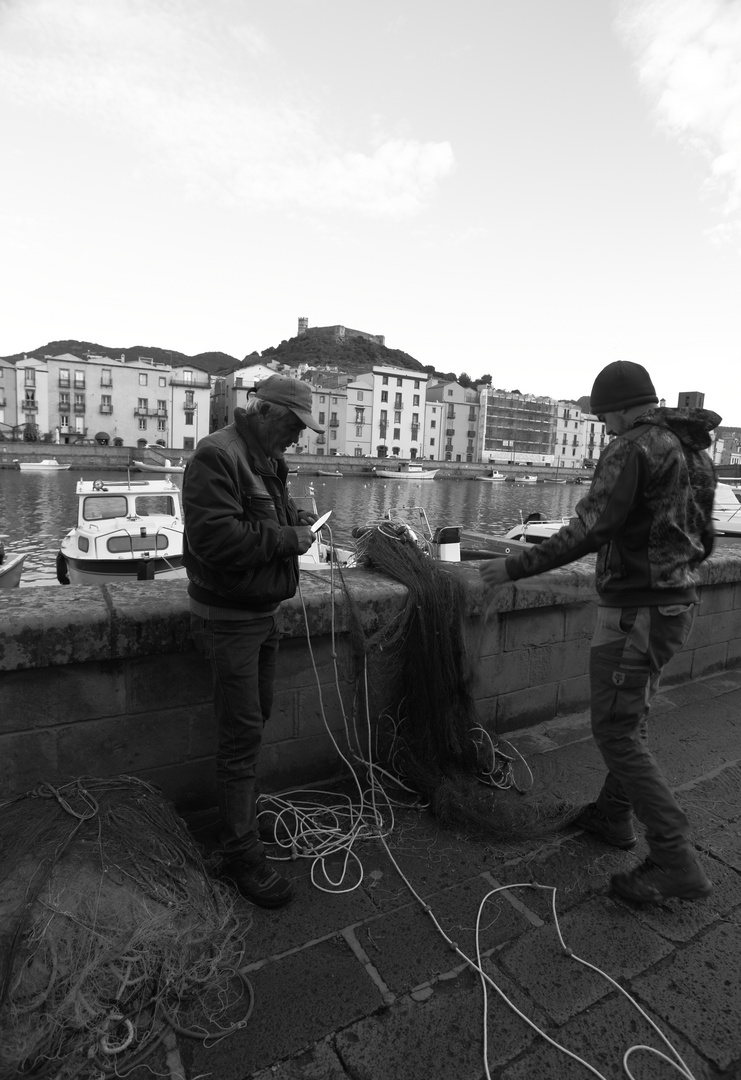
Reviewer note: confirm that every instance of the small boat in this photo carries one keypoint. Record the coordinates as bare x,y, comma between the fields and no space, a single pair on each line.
168,467
407,472
323,553
536,528
127,530
11,568
528,478
726,511
553,481
45,465
491,476
328,472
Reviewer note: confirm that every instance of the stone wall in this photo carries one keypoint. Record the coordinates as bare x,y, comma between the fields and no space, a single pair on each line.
101,680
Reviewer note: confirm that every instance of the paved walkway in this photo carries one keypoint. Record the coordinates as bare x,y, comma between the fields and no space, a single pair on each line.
362,986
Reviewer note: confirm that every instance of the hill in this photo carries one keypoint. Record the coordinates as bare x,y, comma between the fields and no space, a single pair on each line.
317,348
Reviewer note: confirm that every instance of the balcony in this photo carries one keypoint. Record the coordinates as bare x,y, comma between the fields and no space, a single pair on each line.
334,423
107,409
142,412
190,406
30,406
106,382
196,384
78,408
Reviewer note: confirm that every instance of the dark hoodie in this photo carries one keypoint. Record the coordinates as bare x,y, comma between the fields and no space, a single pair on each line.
647,513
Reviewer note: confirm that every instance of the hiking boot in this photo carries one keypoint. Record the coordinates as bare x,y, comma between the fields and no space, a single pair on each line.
259,882
650,883
615,831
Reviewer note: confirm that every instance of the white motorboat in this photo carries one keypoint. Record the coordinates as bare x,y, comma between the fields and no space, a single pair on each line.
45,465
127,530
726,511
535,528
168,467
528,478
323,553
492,477
407,472
11,568
329,472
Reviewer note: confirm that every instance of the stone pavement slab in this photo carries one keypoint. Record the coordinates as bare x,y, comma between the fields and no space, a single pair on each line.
361,986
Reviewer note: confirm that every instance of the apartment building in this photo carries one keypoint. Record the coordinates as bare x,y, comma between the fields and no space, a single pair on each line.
457,436
231,390
515,427
398,412
329,406
359,417
108,400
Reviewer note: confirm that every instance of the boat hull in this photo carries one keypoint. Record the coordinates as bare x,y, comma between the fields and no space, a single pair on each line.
40,466
105,571
10,571
143,466
424,474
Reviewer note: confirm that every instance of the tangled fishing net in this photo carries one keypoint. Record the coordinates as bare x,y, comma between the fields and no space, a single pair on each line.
436,744
111,932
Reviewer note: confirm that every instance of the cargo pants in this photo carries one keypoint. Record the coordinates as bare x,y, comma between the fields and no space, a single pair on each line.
629,648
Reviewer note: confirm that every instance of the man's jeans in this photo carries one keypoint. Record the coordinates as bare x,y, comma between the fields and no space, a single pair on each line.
242,657
630,646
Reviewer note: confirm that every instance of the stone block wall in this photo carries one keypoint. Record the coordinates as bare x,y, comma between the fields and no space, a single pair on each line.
102,680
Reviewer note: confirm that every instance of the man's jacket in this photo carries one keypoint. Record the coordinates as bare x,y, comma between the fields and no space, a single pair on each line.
240,548
647,513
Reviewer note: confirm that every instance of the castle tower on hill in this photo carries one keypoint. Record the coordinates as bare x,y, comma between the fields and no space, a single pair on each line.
339,332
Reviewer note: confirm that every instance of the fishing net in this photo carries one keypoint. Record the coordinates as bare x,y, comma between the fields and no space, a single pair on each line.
112,933
435,743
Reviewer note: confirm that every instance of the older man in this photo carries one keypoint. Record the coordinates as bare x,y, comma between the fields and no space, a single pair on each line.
243,536
648,515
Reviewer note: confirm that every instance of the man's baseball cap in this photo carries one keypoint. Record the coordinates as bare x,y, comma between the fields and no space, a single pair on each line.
292,394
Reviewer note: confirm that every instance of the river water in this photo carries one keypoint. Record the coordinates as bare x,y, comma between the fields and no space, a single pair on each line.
38,509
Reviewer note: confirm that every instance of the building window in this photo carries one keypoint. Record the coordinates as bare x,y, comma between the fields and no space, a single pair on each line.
189,399
189,419
143,378
80,380
397,401
321,415
188,378
161,405
30,376
162,381
450,393
142,423
397,434
415,401
106,378
64,401
433,423
106,405
416,384
63,420
141,405
161,425
384,395
188,443
432,442
358,451
399,382
360,395
321,399
359,431
333,433
334,400
359,415
385,380
397,417
64,376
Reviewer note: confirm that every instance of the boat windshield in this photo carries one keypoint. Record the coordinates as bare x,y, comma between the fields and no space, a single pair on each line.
162,505
101,507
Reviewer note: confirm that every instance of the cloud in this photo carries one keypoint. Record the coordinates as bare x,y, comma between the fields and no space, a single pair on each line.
198,92
688,57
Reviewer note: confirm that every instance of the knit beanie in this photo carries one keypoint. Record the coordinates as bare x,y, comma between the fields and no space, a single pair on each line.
620,386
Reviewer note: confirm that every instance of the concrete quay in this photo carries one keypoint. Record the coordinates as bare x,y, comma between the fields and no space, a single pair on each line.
362,986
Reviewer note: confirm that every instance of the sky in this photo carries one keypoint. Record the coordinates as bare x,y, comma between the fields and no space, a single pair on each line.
526,189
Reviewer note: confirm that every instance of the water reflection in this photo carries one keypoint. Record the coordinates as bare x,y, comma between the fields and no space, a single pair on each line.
38,509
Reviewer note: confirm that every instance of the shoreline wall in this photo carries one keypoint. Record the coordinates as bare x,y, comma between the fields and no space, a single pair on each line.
103,680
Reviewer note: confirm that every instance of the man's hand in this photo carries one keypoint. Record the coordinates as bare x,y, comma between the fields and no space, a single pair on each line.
305,517
304,536
494,572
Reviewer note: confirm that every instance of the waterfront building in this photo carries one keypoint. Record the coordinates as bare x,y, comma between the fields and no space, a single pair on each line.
359,417
104,400
517,428
457,436
231,390
397,411
8,402
329,406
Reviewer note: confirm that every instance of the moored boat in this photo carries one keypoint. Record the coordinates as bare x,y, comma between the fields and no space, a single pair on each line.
528,478
127,530
492,476
407,472
328,472
168,467
45,465
11,568
726,511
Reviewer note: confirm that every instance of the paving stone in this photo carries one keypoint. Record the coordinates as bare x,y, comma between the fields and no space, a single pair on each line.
298,1000
717,795
598,931
698,991
440,1038
601,1035
319,1063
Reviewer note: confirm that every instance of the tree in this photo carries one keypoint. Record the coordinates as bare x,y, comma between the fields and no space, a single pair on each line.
465,380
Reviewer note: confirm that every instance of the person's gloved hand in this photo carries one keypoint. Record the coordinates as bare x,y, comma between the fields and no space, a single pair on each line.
494,572
305,537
